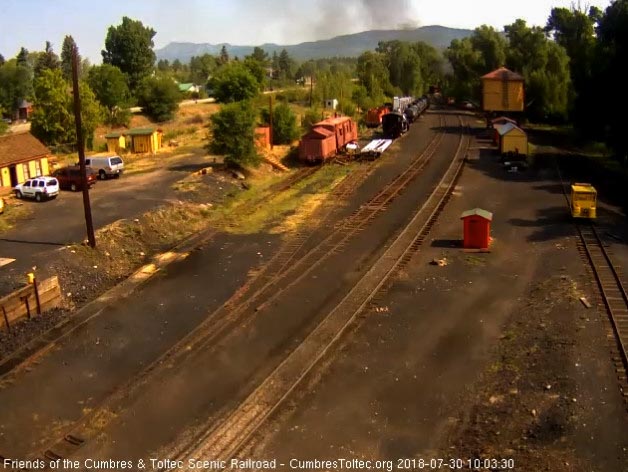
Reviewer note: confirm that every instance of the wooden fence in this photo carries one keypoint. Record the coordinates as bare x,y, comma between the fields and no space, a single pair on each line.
29,301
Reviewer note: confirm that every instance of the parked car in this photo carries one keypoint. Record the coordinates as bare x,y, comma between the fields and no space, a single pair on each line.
39,188
106,166
70,177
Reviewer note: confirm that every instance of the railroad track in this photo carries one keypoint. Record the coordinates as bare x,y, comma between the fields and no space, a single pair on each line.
216,328
612,292
614,297
229,436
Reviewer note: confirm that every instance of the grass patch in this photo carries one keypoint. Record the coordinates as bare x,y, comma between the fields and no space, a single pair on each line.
175,133
258,208
14,211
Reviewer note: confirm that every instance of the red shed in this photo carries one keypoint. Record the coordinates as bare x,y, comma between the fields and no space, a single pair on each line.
477,228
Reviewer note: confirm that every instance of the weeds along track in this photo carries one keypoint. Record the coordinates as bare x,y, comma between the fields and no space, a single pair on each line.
612,293
284,270
231,432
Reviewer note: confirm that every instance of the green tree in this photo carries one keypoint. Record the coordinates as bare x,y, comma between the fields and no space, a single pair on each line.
159,97
545,67
202,67
16,84
574,29
163,65
286,65
232,134
612,51
22,57
110,88
2,60
66,57
224,56
472,57
129,46
256,69
52,119
285,129
372,72
46,60
53,116
233,82
260,56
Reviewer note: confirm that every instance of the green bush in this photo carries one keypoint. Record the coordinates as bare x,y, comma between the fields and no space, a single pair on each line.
232,132
234,82
311,116
285,128
159,97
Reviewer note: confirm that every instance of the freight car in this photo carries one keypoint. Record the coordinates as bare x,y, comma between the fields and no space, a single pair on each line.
374,116
327,138
394,124
401,103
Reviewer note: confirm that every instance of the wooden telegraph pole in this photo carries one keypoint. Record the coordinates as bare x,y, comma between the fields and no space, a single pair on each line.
80,144
270,100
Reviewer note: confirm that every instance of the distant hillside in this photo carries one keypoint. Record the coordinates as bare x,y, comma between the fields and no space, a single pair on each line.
347,45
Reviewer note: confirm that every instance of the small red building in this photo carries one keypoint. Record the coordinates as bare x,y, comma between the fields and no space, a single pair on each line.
476,228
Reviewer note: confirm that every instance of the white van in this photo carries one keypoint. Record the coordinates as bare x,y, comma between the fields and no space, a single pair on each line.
106,166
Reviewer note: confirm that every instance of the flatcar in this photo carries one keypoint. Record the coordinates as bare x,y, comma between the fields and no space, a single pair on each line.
394,124
583,201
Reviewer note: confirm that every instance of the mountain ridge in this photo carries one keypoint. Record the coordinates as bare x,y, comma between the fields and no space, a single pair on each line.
348,45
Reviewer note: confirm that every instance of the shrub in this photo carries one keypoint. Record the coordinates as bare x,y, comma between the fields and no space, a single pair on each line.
285,128
159,97
233,134
309,118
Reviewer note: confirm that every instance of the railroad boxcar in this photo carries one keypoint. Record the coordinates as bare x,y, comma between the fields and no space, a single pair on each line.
343,128
374,116
394,124
411,113
583,200
327,138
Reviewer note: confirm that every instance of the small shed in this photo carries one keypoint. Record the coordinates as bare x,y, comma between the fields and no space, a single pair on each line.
145,140
502,90
476,228
262,137
115,141
497,123
24,110
512,139
331,103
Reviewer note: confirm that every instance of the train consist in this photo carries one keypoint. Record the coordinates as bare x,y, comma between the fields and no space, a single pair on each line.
330,137
327,138
398,121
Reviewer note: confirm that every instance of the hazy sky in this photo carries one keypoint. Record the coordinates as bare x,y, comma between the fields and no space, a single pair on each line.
30,23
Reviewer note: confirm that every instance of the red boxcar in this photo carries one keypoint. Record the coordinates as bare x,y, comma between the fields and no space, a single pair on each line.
327,138
374,116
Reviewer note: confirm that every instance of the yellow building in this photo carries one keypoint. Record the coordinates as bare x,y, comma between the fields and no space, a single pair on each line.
115,141
22,156
502,90
145,140
512,139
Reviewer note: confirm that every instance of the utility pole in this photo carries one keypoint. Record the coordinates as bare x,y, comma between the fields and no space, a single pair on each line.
270,100
80,144
311,88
